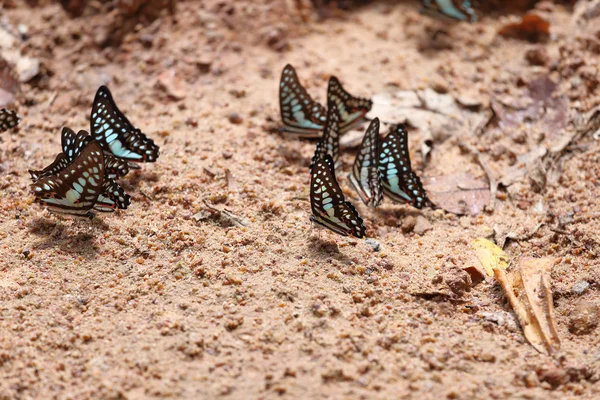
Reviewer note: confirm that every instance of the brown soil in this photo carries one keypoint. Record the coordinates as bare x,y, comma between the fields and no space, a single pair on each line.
171,299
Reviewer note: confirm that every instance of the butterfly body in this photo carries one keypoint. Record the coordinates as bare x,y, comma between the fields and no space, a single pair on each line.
457,10
365,175
399,182
8,119
116,134
330,141
329,209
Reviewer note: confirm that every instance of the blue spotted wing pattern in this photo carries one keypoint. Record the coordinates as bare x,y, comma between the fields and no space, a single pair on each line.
399,182
329,208
459,10
112,197
299,112
116,134
75,189
352,109
365,175
330,141
8,119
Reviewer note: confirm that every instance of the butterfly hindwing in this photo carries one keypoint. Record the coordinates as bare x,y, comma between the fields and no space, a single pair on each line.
76,188
365,176
73,143
299,112
8,119
399,182
60,163
112,197
329,208
116,134
330,141
459,10
352,109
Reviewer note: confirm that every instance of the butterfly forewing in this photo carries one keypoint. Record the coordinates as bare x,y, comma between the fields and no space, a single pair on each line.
327,202
459,10
365,176
330,141
75,189
116,134
399,182
352,109
59,163
73,143
299,112
112,197
8,119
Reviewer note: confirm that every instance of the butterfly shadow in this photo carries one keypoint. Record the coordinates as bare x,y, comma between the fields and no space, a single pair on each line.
321,249
76,238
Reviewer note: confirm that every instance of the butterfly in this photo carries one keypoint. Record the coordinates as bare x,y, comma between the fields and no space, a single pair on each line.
329,208
81,162
72,143
352,109
299,112
461,10
399,182
116,134
330,141
307,118
365,176
8,119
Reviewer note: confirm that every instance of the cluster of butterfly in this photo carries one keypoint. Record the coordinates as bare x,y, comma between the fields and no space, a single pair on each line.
8,119
380,168
461,10
82,177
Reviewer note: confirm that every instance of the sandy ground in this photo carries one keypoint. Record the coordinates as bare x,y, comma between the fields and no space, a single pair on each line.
169,299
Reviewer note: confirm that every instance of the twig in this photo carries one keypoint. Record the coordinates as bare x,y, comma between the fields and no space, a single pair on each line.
228,215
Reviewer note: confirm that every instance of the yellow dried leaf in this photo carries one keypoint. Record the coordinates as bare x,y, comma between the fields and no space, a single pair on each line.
528,291
490,256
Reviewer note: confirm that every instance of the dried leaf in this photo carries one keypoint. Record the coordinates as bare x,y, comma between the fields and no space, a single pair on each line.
490,256
528,291
459,193
532,28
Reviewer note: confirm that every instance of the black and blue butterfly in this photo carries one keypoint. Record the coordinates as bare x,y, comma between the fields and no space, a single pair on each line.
116,134
77,181
365,175
303,116
329,208
458,10
399,181
8,119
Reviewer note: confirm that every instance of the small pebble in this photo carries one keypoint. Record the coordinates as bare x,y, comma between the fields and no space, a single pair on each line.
235,118
584,317
580,287
408,224
422,225
374,244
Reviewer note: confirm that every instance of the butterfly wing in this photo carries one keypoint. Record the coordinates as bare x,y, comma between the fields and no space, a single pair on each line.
73,143
8,119
330,141
299,112
75,189
352,109
60,162
459,10
116,134
365,175
327,202
112,197
399,182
